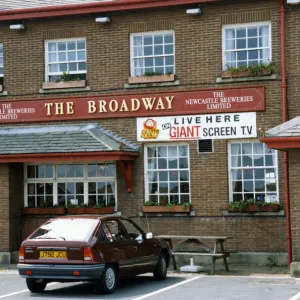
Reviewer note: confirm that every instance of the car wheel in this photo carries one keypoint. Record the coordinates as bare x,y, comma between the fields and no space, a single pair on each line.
36,285
108,280
160,272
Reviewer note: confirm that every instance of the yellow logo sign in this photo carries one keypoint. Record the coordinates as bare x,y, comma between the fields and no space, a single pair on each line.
150,130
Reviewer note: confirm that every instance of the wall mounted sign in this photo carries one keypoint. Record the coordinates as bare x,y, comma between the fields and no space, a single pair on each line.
137,105
194,127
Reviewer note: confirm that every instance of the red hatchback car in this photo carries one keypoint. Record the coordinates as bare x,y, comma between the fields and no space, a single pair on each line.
90,248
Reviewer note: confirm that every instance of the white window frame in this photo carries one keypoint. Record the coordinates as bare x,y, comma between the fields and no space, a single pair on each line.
47,60
146,179
251,167
2,56
55,180
149,33
244,25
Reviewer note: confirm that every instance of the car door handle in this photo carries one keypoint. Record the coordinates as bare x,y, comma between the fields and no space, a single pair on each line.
133,247
116,249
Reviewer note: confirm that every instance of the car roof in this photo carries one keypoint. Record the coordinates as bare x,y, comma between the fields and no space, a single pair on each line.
98,217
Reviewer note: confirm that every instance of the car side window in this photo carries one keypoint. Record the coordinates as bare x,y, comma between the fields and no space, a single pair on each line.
133,232
114,231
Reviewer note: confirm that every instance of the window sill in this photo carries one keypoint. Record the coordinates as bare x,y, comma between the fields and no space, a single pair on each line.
64,84
243,79
65,90
191,213
227,213
147,85
151,79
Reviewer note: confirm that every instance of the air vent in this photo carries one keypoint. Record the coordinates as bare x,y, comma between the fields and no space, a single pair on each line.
205,146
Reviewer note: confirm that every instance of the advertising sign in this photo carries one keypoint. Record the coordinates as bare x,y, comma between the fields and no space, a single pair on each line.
194,127
170,103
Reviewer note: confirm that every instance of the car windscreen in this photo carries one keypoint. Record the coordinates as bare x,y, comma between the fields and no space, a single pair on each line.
66,229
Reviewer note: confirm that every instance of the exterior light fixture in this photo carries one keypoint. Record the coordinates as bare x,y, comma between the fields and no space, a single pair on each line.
195,11
102,20
17,26
293,1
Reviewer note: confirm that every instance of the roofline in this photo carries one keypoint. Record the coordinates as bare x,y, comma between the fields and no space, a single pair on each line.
67,157
99,7
282,143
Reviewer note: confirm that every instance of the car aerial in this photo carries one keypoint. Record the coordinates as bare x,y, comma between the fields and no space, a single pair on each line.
99,249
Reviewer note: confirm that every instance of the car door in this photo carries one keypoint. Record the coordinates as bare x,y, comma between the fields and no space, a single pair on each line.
121,250
147,250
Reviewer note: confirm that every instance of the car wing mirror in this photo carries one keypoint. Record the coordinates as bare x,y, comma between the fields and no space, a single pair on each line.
149,236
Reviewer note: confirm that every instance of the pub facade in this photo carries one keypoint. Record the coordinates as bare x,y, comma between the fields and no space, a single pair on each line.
152,110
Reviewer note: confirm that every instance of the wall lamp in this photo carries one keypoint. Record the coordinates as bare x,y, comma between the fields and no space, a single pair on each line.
195,11
103,20
17,26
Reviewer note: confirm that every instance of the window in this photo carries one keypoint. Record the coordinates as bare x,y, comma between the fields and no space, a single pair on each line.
245,45
253,172
152,52
47,185
1,61
65,56
167,177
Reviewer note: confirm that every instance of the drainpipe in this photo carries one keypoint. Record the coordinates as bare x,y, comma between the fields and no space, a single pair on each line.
284,119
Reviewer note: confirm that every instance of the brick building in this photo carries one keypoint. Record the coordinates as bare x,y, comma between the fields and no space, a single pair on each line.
128,102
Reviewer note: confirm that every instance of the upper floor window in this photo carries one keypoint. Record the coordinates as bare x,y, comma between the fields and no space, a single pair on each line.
252,172
167,174
1,60
245,45
152,53
65,56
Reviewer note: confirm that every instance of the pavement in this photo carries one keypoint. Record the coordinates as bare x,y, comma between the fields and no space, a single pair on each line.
234,270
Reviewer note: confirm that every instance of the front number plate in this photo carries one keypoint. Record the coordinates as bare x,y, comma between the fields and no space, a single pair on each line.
53,254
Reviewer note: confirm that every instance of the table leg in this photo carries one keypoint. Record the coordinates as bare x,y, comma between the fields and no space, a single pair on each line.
213,266
172,256
225,256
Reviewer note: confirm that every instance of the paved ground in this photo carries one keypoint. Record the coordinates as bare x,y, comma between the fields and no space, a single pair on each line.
242,283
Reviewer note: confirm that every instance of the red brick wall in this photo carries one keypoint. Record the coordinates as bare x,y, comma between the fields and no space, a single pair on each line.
198,41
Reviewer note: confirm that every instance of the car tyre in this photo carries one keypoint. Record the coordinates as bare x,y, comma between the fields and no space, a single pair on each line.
108,280
160,271
36,285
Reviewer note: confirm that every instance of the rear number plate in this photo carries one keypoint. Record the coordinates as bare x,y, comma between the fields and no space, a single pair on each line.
53,254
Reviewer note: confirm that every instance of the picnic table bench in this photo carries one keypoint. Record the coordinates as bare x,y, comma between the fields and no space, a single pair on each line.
202,249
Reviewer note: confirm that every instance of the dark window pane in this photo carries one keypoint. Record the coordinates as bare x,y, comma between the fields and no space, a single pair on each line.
247,161
109,188
173,187
40,188
237,186
258,160
70,171
236,174
259,174
31,188
92,187
184,198
153,198
153,188
248,186
184,176
80,200
61,200
163,176
30,171
240,32
40,171
259,186
173,163
110,170
49,188
163,199
237,197
102,199
92,200
40,200
184,187
173,175
152,176
152,164
61,171
79,188
101,187
252,31
162,163
241,44
70,188
242,55
248,173
79,170
49,171
31,201
61,188
174,198
91,170
163,187
183,163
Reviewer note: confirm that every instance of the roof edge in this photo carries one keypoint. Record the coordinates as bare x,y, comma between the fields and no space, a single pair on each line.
80,9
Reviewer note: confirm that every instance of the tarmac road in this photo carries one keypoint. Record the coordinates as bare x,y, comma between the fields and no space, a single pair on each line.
177,286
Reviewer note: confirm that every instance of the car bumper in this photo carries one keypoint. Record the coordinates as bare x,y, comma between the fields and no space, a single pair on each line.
62,272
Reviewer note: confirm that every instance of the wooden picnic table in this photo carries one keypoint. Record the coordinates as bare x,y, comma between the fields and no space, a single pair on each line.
202,249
